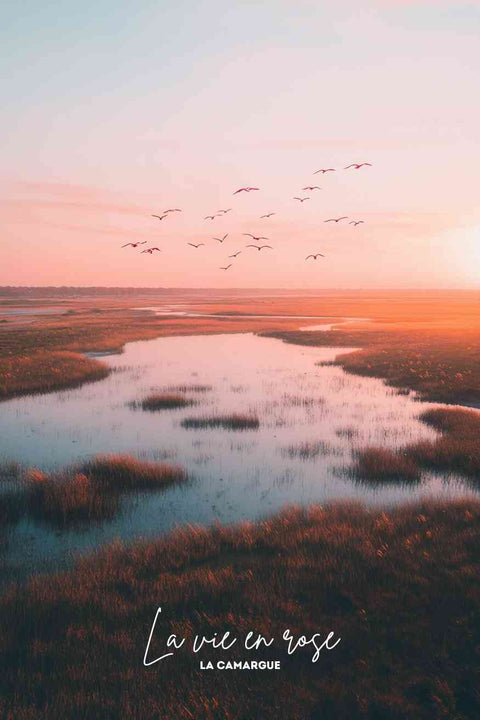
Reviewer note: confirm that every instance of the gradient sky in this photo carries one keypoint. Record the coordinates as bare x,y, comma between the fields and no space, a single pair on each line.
111,112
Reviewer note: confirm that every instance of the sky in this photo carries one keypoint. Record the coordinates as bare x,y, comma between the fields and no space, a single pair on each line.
113,111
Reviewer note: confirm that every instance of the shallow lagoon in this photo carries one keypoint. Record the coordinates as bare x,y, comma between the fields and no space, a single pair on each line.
234,476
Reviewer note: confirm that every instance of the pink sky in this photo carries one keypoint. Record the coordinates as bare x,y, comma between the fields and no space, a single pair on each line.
114,128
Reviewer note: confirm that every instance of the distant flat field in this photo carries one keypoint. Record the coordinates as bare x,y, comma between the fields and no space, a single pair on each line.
436,331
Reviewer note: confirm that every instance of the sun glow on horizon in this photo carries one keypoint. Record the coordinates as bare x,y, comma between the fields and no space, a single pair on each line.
130,123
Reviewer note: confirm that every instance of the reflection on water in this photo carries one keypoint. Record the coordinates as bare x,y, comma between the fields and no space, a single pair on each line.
234,475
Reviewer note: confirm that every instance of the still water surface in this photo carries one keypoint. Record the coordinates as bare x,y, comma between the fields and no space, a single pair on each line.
235,476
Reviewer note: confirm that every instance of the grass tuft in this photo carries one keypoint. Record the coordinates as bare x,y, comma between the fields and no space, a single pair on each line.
457,449
42,372
64,500
10,471
124,472
189,388
384,465
226,422
310,450
152,403
301,401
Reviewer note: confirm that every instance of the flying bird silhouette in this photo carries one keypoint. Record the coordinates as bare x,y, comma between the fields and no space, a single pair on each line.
144,242
314,256
268,215
221,240
302,200
195,246
344,217
245,189
172,210
356,222
357,166
160,217
324,170
312,187
235,254
226,268
225,211
150,250
210,217
260,247
254,237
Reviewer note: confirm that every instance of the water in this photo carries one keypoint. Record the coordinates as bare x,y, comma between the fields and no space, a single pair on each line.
34,310
235,476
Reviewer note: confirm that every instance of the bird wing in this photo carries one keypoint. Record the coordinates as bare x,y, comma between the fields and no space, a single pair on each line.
309,256
266,246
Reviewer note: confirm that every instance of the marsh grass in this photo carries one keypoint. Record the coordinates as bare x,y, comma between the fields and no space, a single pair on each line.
156,402
301,401
439,364
310,450
194,388
68,500
85,494
380,464
124,473
348,433
401,588
458,447
224,422
10,471
44,371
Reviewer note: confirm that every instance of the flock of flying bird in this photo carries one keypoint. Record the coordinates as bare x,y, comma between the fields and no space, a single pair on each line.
255,238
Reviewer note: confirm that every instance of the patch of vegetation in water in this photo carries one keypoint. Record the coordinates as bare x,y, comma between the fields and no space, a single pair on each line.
301,400
381,464
186,388
124,472
84,494
458,447
66,500
153,403
225,422
311,450
43,372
